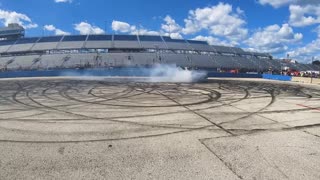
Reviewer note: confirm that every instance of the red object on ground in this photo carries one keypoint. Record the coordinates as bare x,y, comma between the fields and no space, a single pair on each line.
234,71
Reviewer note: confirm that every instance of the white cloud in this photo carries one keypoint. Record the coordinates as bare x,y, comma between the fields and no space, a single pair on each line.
173,35
7,17
273,39
280,3
49,27
308,51
276,3
317,30
171,28
86,28
304,15
124,27
302,12
63,1
145,32
212,40
240,11
56,31
219,20
170,25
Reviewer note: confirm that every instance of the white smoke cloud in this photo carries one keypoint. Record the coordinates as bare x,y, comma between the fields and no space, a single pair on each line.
172,73
157,73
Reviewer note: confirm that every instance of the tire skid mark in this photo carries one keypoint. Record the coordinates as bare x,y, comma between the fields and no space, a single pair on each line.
65,96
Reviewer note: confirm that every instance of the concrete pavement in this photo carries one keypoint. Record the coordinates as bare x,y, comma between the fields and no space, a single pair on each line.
64,128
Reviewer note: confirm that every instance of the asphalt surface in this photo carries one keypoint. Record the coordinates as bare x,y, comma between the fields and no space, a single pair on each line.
62,128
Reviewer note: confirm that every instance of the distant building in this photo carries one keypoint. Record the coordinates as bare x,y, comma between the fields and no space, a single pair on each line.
12,32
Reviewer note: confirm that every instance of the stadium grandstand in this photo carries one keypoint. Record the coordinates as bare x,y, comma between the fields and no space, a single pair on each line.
18,52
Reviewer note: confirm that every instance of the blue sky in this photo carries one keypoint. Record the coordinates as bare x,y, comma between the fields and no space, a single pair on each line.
278,27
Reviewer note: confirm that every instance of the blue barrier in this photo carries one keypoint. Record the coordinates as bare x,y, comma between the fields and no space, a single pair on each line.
277,77
233,75
107,72
77,72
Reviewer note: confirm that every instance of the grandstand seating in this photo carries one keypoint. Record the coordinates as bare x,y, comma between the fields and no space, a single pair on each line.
27,40
23,62
131,50
72,42
47,43
276,65
76,60
223,49
23,45
126,41
99,41
152,42
303,67
237,50
4,49
260,54
222,61
138,59
70,45
98,44
7,42
144,59
178,44
100,38
50,39
150,38
245,63
178,59
201,61
5,45
20,48
74,38
116,60
153,45
4,61
52,61
199,45
44,46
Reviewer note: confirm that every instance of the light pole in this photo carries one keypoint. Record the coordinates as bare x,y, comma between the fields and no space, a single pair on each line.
139,29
